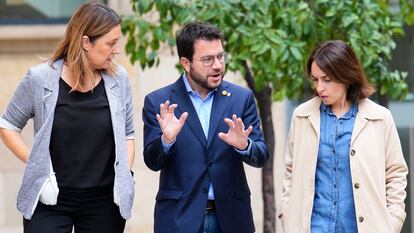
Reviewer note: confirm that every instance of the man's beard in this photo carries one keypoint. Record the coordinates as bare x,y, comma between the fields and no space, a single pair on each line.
203,81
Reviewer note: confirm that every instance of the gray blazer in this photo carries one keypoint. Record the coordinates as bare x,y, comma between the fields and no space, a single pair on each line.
36,98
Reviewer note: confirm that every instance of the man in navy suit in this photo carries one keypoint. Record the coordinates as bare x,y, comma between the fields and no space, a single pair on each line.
198,131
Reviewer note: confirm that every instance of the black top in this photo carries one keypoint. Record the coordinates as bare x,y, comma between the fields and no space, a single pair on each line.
82,145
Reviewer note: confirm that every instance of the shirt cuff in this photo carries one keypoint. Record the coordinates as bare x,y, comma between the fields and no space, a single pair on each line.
248,151
7,125
166,146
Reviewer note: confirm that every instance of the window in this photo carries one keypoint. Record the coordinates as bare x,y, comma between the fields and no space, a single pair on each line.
37,11
402,58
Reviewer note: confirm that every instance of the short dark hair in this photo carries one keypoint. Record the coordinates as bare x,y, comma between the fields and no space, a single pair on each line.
338,60
186,37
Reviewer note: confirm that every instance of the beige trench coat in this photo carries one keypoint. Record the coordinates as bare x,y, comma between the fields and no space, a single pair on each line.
377,165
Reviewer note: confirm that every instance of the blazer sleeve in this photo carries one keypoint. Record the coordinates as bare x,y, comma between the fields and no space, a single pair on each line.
129,117
154,156
20,108
259,152
396,171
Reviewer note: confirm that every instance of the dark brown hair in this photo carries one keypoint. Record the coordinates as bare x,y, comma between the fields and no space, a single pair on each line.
91,19
340,63
186,37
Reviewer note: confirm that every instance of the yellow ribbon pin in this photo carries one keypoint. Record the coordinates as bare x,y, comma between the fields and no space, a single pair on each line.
225,93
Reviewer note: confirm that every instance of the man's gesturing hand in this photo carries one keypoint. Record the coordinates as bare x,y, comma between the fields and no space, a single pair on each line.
170,125
237,135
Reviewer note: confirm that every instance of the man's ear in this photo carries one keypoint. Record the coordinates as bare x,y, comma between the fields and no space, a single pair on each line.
185,63
86,44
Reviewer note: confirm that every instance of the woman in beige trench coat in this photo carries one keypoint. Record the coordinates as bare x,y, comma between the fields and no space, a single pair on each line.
345,171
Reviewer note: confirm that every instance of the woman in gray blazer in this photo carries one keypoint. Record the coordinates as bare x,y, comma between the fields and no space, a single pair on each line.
78,169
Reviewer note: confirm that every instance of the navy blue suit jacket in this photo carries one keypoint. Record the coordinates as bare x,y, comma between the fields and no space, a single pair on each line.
194,161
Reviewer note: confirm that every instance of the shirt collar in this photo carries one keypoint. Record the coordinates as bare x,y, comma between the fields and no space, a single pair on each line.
351,112
190,89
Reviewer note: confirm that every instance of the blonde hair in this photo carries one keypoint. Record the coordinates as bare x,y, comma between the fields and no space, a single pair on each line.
91,19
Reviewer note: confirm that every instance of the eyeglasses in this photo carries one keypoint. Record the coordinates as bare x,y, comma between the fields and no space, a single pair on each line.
209,60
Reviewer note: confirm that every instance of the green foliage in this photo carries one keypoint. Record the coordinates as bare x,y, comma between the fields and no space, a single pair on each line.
407,11
274,38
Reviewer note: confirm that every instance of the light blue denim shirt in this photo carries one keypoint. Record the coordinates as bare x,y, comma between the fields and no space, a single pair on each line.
203,109
333,207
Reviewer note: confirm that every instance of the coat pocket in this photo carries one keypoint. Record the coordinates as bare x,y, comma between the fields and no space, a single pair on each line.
50,191
168,194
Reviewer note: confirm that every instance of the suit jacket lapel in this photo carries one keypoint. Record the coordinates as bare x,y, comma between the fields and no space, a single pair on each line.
51,89
180,97
217,110
112,93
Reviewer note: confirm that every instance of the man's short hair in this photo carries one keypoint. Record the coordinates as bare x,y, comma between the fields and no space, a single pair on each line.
186,37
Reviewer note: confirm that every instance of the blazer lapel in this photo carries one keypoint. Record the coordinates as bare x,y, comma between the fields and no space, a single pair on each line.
180,97
112,93
51,89
217,110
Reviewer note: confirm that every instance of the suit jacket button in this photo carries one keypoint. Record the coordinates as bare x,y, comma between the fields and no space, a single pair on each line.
209,163
205,190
